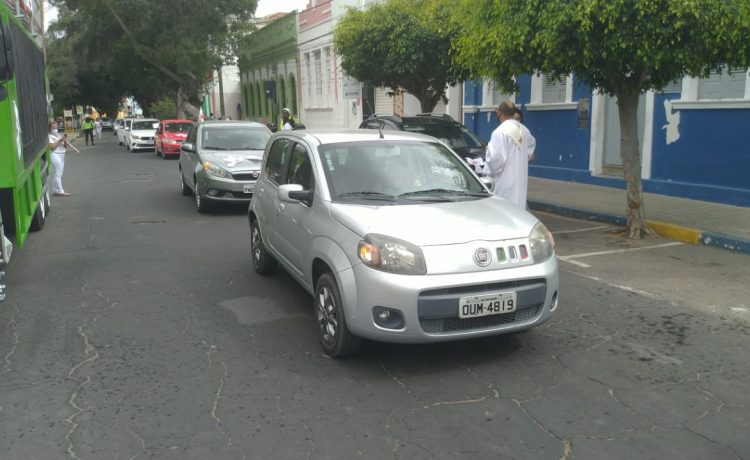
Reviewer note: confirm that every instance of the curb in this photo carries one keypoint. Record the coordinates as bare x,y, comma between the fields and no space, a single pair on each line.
665,229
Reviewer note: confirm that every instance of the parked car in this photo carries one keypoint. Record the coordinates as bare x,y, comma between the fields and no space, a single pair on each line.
107,124
220,161
140,134
169,137
122,131
398,240
443,127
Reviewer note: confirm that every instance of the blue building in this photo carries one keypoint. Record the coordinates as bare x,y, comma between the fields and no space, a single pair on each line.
692,134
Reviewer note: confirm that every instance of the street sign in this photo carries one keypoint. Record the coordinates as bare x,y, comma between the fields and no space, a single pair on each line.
79,110
67,113
352,88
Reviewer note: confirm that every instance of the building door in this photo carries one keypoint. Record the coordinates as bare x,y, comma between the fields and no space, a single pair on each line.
611,155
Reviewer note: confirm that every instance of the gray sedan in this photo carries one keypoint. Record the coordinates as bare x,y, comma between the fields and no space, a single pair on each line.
397,240
220,161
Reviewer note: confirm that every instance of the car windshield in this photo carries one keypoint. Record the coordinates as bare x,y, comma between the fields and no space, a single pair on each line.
455,135
104,119
234,138
142,125
178,127
390,170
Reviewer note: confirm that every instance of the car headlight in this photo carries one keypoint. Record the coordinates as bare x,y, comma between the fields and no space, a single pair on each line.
214,170
391,255
136,137
170,141
542,243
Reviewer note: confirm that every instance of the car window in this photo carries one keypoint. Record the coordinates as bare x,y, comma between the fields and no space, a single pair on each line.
395,168
177,127
300,168
148,124
455,135
234,138
277,157
191,135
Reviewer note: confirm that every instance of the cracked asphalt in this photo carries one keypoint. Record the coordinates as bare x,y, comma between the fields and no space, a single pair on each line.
135,328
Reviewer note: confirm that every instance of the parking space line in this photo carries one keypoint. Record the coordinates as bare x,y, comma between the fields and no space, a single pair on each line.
588,229
570,258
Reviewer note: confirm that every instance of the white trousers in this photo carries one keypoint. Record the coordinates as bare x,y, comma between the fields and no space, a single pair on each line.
58,165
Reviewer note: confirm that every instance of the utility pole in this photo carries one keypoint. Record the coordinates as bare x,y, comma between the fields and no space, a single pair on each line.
222,112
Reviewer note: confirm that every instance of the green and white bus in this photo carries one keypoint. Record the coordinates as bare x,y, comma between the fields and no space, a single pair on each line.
24,150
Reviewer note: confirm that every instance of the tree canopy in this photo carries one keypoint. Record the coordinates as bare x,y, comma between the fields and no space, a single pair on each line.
106,49
619,47
396,45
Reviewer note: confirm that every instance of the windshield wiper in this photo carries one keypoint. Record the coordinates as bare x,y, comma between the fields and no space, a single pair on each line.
213,148
443,191
368,195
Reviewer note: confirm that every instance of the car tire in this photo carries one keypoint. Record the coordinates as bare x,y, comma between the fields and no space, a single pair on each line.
156,151
201,204
263,262
40,215
335,338
183,186
165,157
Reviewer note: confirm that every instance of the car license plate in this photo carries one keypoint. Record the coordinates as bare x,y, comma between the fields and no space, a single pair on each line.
248,188
485,305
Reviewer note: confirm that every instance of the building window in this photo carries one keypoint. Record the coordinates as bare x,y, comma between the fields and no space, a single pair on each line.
553,90
318,78
728,84
328,78
308,84
551,94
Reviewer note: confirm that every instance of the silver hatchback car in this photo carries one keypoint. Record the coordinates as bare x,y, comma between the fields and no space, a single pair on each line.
397,240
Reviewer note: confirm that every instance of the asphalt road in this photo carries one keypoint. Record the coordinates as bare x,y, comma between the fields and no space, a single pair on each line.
135,328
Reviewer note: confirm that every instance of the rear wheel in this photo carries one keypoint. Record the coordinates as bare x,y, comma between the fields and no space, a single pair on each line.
333,332
40,216
263,262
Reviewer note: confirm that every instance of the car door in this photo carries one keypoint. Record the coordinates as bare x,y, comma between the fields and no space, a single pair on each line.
187,159
267,189
293,219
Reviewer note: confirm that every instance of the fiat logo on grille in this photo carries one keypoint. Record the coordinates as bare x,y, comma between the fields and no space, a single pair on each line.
482,257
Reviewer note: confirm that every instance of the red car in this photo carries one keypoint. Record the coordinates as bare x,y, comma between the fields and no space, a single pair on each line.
169,137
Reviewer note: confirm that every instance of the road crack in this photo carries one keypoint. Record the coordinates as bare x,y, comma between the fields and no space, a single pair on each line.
90,354
12,325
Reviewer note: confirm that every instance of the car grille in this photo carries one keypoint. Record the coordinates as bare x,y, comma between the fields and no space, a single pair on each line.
242,195
438,308
245,176
465,324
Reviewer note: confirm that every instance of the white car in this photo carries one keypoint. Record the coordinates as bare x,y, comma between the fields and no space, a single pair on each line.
397,240
122,130
141,134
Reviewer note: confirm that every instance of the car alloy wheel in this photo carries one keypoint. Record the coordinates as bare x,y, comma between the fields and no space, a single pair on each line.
263,262
201,204
333,332
183,187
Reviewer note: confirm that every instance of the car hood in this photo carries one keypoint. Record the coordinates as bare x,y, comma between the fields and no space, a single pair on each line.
431,224
143,132
176,136
235,160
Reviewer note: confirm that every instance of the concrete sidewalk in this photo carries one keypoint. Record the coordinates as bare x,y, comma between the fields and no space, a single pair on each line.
691,221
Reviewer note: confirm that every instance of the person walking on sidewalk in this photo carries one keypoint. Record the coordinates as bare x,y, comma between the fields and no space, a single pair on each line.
88,129
507,162
57,144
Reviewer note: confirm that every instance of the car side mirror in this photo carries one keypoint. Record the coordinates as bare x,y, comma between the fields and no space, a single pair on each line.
295,193
487,181
187,147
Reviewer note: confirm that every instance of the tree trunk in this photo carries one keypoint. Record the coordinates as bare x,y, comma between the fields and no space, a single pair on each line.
627,105
184,108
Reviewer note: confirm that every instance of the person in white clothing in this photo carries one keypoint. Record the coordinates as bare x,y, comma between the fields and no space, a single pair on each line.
507,160
98,128
57,144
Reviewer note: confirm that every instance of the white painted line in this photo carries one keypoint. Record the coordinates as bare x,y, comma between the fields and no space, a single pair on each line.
574,262
601,227
618,286
620,251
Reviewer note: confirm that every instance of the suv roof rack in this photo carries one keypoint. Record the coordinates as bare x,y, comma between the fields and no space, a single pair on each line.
392,117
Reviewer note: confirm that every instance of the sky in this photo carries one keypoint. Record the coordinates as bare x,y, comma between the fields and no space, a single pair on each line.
265,7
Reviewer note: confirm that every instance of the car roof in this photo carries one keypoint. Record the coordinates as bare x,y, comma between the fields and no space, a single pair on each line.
421,119
176,120
230,123
333,136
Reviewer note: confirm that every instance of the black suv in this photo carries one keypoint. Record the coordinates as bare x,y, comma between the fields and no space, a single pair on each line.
442,127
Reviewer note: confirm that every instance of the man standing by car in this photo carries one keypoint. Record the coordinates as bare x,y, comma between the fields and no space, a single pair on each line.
507,162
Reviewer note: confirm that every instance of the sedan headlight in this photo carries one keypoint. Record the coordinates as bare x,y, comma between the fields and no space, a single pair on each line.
542,243
136,137
214,170
391,255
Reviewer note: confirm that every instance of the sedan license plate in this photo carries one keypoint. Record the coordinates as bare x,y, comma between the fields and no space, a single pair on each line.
248,188
485,305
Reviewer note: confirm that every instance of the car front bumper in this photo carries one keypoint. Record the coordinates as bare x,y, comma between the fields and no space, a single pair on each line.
137,144
429,304
170,149
225,189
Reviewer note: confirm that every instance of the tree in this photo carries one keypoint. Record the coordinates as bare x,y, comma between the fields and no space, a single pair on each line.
128,46
619,47
394,44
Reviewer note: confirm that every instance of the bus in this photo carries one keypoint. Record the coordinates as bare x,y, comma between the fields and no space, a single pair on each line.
24,147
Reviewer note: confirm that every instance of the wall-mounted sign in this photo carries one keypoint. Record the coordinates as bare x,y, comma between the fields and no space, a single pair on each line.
583,113
351,88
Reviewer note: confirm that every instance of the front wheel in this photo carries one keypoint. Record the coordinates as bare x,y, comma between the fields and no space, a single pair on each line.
263,262
333,332
201,204
183,186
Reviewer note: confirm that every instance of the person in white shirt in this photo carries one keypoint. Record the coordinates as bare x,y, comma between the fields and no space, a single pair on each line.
507,160
98,128
57,144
